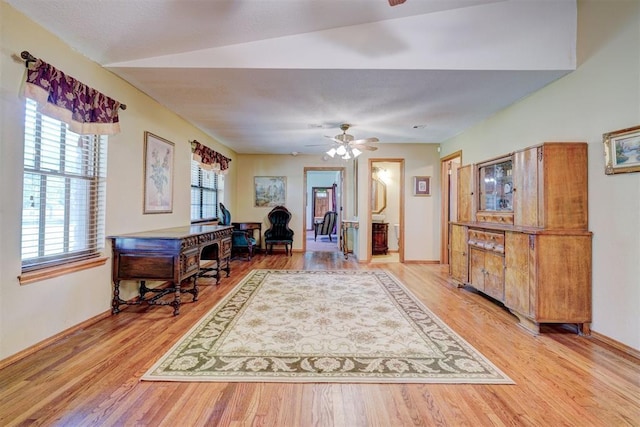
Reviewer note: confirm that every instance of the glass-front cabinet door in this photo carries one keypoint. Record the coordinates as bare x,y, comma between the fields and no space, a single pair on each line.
495,182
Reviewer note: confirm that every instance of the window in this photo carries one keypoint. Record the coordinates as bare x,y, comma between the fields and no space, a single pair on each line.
207,188
63,193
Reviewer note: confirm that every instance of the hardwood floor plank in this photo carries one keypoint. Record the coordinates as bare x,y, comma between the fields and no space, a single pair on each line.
92,376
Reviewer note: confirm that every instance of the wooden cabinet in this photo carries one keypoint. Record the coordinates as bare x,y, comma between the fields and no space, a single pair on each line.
550,186
465,193
458,260
548,278
380,232
531,252
486,263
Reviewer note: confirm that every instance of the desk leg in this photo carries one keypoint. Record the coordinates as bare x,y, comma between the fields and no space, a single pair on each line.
115,303
343,242
195,288
228,266
176,300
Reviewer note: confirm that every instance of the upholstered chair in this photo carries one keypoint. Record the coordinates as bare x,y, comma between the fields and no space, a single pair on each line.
326,226
279,232
241,241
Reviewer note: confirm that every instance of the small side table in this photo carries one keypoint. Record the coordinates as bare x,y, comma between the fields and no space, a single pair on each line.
345,225
251,227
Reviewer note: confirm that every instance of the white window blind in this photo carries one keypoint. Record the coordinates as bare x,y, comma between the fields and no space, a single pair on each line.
206,190
63,192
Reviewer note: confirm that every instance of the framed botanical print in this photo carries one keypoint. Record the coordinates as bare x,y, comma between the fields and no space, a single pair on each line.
158,174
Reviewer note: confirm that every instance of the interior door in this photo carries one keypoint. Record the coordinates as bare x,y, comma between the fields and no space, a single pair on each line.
322,201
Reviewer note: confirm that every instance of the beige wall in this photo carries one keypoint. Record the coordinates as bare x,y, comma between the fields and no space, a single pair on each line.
602,95
421,214
34,312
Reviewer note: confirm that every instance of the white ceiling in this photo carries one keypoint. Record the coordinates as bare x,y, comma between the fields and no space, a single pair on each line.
276,76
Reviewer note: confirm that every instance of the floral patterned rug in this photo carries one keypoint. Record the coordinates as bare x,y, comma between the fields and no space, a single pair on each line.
323,326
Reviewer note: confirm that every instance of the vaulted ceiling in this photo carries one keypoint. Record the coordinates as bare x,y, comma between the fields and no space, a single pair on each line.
276,76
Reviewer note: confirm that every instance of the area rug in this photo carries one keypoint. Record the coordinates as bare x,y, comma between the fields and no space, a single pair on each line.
323,326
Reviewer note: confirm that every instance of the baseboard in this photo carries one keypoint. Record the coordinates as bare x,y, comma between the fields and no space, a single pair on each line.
419,261
605,340
42,344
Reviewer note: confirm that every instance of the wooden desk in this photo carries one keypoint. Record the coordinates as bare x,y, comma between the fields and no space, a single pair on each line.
171,254
251,227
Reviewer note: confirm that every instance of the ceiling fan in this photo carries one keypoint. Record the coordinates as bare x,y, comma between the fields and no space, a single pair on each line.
347,147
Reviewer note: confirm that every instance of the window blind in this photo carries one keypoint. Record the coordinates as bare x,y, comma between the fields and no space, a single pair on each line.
205,192
64,188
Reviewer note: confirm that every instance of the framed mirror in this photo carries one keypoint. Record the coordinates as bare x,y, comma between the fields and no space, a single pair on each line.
378,195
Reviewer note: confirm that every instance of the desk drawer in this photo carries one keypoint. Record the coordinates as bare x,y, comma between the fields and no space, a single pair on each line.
189,262
225,247
140,266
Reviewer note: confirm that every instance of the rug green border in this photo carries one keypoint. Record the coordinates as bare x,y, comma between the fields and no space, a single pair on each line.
498,377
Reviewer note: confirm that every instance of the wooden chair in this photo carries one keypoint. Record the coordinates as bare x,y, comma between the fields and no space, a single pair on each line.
326,226
279,232
241,241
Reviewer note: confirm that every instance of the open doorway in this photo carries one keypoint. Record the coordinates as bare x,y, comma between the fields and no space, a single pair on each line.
386,210
449,166
323,193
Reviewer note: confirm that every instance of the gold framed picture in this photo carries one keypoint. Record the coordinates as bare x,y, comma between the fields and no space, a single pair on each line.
622,151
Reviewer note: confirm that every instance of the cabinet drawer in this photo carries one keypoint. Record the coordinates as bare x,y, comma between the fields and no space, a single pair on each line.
490,240
495,217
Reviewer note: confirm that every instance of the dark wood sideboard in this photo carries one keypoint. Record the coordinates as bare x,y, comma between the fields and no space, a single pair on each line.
380,232
172,255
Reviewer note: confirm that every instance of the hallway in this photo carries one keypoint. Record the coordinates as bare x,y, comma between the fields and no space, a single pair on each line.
322,243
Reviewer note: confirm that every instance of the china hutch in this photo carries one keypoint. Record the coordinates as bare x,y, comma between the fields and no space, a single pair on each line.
522,236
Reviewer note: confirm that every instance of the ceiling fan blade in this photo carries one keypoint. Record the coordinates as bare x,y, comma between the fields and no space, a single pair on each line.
366,147
333,139
365,140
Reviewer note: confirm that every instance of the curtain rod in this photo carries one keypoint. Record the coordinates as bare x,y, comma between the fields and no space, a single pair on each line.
30,58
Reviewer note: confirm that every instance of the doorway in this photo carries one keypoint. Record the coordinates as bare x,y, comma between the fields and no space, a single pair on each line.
386,211
323,187
323,200
449,166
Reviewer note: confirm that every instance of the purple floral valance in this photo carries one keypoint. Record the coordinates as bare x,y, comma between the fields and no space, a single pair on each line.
209,159
84,109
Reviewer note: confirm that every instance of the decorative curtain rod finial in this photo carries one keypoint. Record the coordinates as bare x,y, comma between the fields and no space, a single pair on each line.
27,57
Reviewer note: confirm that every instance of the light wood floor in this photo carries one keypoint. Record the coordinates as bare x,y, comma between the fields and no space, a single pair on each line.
92,377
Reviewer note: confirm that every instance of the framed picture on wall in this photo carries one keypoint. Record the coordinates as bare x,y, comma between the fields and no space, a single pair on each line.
421,185
158,174
622,151
270,191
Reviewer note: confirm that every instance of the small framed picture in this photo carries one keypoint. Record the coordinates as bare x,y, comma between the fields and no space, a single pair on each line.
622,151
421,185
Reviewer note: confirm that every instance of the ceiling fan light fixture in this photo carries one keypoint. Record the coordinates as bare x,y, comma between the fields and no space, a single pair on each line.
341,151
346,156
332,152
355,152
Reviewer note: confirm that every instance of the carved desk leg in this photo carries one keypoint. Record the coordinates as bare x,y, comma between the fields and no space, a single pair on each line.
195,288
115,303
176,300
